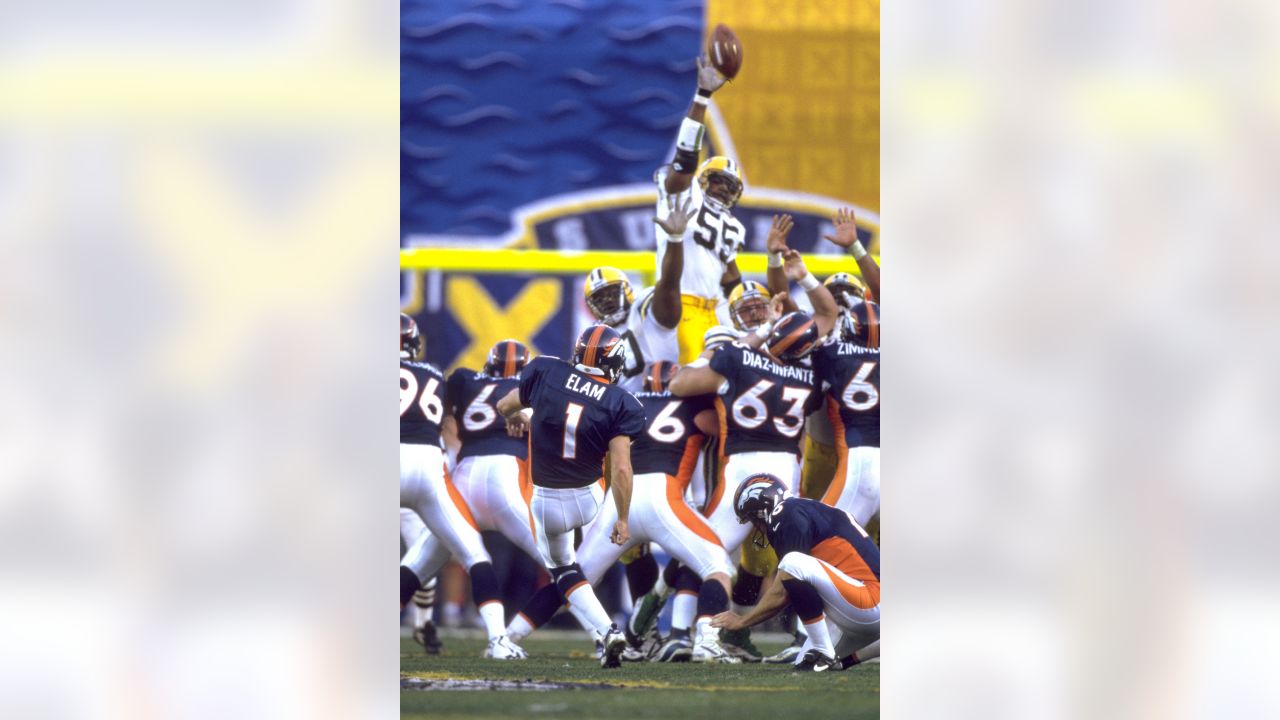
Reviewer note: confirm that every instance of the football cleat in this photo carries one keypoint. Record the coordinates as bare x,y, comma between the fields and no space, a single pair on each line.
708,649
502,648
749,305
506,359
815,661
645,616
410,338
731,182
608,294
738,644
614,643
428,638
675,649
787,654
793,337
600,351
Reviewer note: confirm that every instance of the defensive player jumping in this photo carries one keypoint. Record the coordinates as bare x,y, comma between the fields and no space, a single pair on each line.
425,490
828,569
578,416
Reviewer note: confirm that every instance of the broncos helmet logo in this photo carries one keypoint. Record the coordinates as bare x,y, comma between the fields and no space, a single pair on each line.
600,352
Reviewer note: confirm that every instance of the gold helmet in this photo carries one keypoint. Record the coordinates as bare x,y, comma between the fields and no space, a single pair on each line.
608,294
846,289
727,169
749,305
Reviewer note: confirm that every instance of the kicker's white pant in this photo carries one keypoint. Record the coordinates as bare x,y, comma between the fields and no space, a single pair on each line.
737,468
493,487
856,485
852,605
557,512
425,490
658,514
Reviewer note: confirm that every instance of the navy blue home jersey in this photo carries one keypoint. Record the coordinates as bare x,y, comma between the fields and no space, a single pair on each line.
473,398
810,527
850,375
421,403
762,404
575,416
671,440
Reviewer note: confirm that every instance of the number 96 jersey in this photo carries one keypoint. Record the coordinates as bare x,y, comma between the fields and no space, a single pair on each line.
850,375
481,430
421,404
762,404
711,241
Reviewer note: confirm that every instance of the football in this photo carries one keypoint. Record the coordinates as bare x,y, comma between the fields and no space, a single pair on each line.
725,51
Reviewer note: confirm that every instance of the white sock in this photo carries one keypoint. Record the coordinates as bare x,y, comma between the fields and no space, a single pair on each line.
683,608
800,627
820,638
491,612
519,628
587,607
704,629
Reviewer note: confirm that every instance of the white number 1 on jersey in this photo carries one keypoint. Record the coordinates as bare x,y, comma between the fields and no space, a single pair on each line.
572,415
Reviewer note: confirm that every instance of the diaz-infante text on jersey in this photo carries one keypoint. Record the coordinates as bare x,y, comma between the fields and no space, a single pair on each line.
762,404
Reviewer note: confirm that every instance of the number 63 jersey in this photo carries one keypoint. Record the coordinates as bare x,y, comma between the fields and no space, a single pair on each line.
762,404
850,375
421,407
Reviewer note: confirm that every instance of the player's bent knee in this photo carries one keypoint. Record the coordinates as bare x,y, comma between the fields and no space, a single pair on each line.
793,565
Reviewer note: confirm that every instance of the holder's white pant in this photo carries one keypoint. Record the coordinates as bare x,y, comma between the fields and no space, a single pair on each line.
658,514
852,605
856,485
425,490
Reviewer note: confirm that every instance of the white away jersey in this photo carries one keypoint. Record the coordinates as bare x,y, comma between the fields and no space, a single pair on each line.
647,341
711,241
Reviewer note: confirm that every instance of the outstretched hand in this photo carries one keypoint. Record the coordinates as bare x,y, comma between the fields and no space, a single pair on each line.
709,78
678,217
846,229
793,265
776,307
776,241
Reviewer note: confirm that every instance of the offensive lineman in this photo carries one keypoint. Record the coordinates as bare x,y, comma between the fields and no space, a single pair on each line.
579,415
425,490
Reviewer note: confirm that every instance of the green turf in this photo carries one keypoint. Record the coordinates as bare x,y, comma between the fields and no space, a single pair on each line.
685,690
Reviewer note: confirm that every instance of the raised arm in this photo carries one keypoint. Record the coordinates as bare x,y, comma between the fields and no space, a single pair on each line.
847,237
689,141
824,305
776,244
666,294
620,485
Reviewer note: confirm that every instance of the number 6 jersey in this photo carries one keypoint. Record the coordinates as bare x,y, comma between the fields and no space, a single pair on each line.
575,415
481,429
421,404
762,404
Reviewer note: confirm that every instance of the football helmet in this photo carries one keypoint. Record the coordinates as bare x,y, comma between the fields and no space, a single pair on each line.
846,288
728,170
410,338
608,294
659,376
757,499
506,358
601,352
749,305
860,324
794,336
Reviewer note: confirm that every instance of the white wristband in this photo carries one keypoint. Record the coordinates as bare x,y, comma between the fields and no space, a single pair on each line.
700,100
675,238
763,331
857,250
810,283
775,260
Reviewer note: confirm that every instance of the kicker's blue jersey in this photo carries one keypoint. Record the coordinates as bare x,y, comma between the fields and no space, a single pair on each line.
473,398
762,404
671,440
850,375
810,527
575,415
421,403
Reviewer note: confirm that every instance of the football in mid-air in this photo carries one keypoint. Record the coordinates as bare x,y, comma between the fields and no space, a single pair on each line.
724,49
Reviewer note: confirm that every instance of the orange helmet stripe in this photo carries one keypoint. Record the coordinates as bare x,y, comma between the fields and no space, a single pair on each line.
786,342
589,357
509,368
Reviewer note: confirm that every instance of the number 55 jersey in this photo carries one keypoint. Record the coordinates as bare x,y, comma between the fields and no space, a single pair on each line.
850,377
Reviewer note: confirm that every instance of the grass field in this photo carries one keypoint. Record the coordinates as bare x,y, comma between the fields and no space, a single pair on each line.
650,690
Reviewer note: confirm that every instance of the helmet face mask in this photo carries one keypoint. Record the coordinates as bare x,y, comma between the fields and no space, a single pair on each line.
608,295
749,305
721,181
759,498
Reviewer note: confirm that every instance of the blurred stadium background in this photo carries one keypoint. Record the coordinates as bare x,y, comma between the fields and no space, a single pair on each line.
532,126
